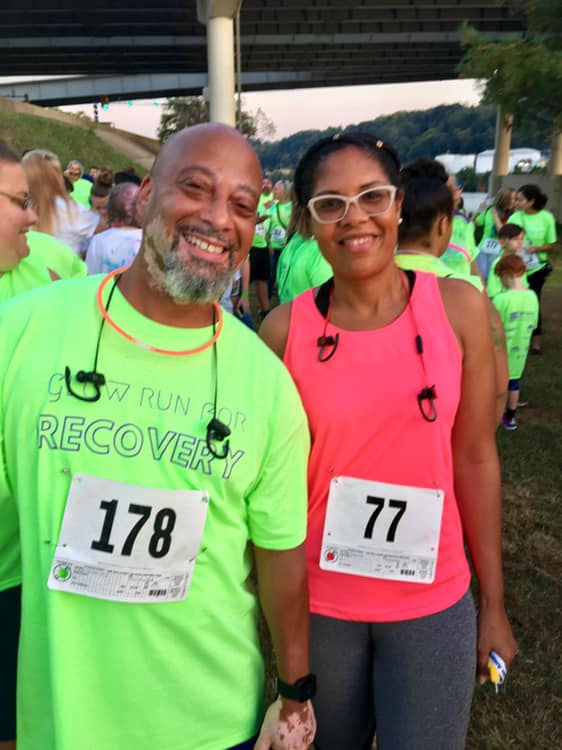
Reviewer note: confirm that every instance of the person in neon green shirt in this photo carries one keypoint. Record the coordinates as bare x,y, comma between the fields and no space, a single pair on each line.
427,219
156,466
56,255
260,266
519,310
81,188
424,234
301,267
19,273
491,219
279,220
540,238
510,238
461,252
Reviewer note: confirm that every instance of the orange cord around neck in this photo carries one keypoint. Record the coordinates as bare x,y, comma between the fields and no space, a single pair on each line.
142,344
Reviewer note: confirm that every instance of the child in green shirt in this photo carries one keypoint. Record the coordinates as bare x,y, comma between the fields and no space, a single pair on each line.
511,238
519,310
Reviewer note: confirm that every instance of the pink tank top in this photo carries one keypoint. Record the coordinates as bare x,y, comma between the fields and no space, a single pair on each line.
365,423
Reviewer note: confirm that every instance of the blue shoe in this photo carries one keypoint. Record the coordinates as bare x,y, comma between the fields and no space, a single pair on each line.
509,424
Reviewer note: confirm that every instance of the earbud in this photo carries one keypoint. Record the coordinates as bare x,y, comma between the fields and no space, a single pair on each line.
327,341
97,378
217,430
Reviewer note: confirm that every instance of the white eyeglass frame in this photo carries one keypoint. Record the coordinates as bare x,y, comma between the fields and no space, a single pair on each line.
348,200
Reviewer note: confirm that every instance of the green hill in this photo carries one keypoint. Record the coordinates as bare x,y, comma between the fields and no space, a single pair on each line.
22,132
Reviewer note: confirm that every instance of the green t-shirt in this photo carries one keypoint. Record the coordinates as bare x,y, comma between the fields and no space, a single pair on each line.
519,311
262,229
431,264
540,229
133,676
56,255
279,218
462,247
301,266
30,273
494,285
81,190
27,275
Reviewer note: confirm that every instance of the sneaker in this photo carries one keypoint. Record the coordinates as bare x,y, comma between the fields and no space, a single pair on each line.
509,424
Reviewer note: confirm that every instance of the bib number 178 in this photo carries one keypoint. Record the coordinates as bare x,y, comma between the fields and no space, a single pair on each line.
160,541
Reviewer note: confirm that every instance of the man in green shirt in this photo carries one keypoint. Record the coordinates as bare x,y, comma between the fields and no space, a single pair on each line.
81,188
170,451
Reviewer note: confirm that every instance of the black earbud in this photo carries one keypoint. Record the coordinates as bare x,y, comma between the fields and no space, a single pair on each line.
428,394
217,431
97,379
324,342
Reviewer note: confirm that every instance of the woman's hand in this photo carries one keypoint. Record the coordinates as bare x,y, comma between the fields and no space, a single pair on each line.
494,634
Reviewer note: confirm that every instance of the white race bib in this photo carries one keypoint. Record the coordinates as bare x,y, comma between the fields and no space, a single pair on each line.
382,530
127,543
532,260
490,247
278,234
261,228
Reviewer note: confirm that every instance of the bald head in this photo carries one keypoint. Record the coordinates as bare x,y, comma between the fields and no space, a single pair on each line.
206,135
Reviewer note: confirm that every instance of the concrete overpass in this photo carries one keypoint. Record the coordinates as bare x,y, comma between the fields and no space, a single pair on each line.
139,48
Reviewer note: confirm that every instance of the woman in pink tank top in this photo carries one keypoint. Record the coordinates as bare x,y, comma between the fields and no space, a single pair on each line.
396,372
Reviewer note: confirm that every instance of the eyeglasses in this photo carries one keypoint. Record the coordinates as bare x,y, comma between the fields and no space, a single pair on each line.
327,209
23,203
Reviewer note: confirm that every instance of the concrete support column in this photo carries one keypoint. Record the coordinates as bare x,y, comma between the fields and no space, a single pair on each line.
218,16
504,123
555,163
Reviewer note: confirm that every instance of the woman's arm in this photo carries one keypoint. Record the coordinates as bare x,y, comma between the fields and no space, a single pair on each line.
275,329
476,466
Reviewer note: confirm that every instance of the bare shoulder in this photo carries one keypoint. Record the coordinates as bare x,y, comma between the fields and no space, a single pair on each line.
466,307
275,329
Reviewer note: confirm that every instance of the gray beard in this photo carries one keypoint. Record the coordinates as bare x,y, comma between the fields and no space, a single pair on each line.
199,282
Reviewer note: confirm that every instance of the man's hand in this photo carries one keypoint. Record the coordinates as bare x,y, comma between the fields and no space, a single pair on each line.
243,305
288,725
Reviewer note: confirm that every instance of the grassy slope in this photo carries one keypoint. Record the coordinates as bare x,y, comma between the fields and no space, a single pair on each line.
23,132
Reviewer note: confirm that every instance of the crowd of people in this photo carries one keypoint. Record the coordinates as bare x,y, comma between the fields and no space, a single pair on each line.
347,452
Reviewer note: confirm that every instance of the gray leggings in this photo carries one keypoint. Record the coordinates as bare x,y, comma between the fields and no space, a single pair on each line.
412,681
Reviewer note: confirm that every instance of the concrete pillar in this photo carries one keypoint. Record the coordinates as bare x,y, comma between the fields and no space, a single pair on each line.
218,16
555,163
504,123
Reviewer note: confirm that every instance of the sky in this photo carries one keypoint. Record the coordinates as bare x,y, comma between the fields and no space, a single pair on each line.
303,109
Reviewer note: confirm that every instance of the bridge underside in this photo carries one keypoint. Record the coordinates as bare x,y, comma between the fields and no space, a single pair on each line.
284,43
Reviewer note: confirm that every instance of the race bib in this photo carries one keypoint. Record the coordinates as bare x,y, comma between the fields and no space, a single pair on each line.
127,543
532,260
382,530
490,247
278,234
261,229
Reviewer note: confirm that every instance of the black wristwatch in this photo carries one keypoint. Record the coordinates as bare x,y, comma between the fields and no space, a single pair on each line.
302,690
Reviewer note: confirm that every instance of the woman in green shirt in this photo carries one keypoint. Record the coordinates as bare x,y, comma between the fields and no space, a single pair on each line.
540,238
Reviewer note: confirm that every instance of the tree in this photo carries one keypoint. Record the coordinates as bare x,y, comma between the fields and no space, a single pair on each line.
182,112
523,73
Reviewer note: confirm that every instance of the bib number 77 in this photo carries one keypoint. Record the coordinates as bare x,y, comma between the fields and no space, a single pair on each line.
379,503
382,530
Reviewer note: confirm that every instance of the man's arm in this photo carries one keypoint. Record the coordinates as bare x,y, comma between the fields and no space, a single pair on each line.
283,593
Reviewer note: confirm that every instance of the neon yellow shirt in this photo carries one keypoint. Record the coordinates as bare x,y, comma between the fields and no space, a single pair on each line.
56,255
279,218
81,190
462,247
539,228
184,675
519,311
431,264
301,266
